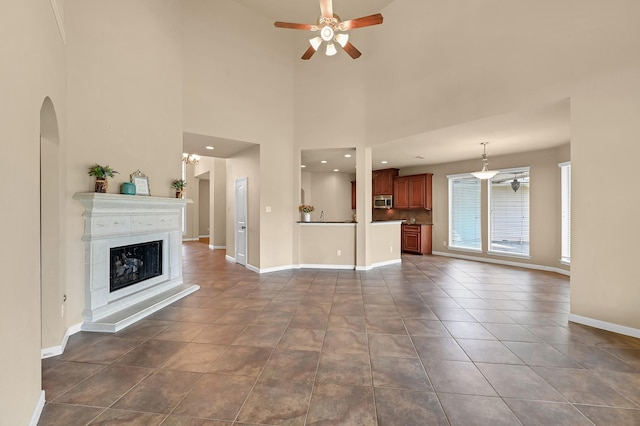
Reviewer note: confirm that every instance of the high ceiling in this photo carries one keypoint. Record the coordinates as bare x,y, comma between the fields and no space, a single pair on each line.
308,11
543,127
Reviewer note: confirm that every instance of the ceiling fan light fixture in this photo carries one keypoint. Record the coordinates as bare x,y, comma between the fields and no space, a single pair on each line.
331,49
485,173
342,39
326,33
315,42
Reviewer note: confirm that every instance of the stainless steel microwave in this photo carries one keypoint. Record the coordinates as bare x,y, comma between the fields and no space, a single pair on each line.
383,201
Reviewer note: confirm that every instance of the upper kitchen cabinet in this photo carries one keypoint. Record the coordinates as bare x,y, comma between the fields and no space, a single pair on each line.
413,192
383,181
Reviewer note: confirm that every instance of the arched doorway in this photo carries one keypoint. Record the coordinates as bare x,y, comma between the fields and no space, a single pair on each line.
52,312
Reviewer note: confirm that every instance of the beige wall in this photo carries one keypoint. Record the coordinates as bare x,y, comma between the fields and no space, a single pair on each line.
245,164
33,68
604,216
122,110
239,85
218,210
331,193
320,243
544,201
386,244
204,207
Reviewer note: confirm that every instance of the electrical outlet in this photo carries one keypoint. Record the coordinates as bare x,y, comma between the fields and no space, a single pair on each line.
390,249
339,252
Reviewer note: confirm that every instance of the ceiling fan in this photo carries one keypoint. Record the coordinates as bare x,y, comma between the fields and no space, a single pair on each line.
332,29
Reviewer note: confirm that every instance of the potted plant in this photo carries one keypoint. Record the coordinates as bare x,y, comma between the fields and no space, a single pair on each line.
179,185
306,210
102,174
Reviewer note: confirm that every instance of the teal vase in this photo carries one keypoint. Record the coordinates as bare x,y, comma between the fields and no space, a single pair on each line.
128,188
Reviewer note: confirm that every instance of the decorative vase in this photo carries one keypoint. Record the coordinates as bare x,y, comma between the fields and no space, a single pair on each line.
307,217
179,193
102,185
128,188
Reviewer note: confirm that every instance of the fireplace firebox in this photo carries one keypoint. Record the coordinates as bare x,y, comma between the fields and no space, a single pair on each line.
134,263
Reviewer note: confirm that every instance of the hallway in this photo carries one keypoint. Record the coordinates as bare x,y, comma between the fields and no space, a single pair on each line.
434,340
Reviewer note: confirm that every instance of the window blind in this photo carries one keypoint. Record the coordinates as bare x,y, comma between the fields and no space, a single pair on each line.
464,213
509,213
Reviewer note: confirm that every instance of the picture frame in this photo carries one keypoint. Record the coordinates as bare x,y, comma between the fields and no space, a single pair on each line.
141,181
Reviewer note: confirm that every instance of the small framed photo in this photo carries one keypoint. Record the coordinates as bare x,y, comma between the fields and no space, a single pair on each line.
141,181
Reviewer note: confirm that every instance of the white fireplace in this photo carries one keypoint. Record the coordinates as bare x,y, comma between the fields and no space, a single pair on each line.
113,221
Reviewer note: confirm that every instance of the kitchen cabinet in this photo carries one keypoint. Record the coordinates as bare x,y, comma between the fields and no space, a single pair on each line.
413,192
416,239
383,181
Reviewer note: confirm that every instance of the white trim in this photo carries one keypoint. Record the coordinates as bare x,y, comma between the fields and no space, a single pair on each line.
325,266
37,411
190,239
328,223
505,262
604,325
564,164
459,175
273,269
508,254
250,267
203,236
386,263
59,22
59,350
464,249
229,258
364,268
212,247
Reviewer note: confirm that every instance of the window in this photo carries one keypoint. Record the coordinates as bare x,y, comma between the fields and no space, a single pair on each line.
464,213
509,212
565,232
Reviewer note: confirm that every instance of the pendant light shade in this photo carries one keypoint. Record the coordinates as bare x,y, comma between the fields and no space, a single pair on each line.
485,173
331,49
515,185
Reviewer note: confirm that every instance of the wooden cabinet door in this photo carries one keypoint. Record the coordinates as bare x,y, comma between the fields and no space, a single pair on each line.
401,193
417,191
383,181
411,238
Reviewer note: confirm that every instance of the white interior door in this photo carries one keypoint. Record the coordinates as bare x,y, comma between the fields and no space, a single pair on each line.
241,220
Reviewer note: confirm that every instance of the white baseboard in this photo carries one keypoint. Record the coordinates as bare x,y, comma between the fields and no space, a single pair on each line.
325,266
504,262
212,247
604,325
190,239
386,263
59,350
229,258
273,269
37,411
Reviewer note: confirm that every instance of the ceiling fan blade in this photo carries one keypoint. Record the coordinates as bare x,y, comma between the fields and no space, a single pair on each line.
309,53
326,7
351,50
292,25
365,21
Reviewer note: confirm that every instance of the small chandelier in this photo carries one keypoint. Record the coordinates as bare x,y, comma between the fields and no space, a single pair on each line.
515,185
192,159
485,173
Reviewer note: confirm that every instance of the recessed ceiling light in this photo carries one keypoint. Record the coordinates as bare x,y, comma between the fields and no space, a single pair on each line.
324,161
347,156
336,170
384,162
303,166
209,147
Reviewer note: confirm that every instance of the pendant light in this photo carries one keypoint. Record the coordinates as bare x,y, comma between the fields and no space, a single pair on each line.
485,173
515,185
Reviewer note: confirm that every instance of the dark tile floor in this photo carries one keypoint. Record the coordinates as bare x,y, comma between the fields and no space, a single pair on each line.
432,341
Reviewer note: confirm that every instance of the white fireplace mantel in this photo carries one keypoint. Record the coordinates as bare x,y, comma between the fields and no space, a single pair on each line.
115,220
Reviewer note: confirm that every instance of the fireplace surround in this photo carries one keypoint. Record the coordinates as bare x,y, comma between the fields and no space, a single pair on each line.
114,221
